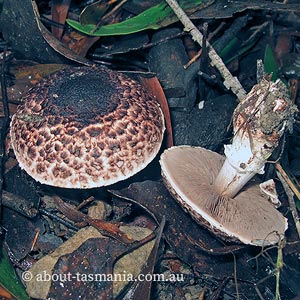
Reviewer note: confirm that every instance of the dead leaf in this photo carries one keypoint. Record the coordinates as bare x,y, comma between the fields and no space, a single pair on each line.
106,228
181,231
153,86
79,43
89,253
142,289
20,232
5,295
56,44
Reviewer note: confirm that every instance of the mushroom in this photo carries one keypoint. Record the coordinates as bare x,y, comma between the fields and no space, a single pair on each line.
213,189
86,127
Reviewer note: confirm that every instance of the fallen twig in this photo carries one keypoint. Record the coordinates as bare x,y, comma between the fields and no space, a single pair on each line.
210,36
290,190
235,277
35,239
230,81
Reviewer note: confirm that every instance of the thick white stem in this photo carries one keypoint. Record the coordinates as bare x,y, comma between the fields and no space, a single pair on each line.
240,166
235,180
258,122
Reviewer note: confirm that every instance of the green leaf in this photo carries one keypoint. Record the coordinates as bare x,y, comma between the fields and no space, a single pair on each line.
9,279
233,46
158,16
270,63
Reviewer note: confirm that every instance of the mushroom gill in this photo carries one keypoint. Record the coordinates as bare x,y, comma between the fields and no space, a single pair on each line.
217,190
189,174
86,127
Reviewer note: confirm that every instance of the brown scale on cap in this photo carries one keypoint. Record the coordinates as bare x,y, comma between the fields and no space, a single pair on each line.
86,127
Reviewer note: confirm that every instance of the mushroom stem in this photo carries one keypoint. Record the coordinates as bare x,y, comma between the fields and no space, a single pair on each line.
259,122
241,164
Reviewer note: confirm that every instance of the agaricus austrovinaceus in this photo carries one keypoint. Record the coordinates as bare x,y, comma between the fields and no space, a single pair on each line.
213,188
85,127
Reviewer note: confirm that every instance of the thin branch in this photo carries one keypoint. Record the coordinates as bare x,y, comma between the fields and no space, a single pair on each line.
230,82
235,277
290,190
210,36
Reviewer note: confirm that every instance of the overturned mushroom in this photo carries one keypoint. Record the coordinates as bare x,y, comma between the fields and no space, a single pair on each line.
209,187
86,127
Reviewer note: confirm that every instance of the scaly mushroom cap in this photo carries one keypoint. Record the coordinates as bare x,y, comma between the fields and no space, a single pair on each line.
86,127
189,174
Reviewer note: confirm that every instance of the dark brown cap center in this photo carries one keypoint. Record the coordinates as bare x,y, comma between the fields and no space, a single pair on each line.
83,95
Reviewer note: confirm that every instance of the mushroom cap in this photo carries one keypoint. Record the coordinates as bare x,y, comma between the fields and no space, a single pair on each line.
189,174
86,127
